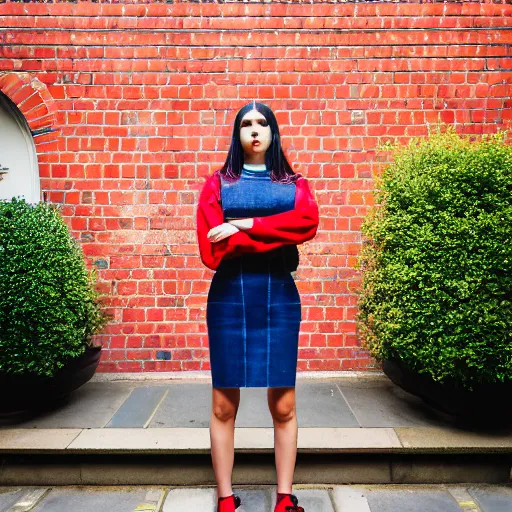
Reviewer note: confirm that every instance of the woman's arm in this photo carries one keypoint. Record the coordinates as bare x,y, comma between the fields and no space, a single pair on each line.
242,224
293,227
209,215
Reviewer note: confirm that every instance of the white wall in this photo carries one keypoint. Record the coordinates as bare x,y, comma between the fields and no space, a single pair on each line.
18,153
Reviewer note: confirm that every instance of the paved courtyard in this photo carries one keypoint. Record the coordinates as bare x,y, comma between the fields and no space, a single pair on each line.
356,498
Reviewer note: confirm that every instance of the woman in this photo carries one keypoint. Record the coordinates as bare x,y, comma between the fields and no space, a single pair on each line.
251,215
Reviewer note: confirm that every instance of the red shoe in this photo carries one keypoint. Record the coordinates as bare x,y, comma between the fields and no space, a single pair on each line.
228,503
289,503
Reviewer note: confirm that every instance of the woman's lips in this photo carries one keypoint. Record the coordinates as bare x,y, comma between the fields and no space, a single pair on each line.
255,142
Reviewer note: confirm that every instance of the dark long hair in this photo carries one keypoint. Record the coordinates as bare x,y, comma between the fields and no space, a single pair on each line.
275,159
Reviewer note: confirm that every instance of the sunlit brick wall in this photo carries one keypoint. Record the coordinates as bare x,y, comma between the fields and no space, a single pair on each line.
146,97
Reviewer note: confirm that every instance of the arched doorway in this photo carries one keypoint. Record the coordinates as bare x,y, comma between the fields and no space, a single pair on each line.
19,172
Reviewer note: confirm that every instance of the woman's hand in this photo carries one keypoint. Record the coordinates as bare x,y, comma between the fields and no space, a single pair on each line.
242,223
221,231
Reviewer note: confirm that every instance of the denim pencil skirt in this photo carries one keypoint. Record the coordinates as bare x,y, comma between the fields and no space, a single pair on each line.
253,317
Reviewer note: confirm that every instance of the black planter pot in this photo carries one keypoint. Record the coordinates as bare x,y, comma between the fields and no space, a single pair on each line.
486,404
22,393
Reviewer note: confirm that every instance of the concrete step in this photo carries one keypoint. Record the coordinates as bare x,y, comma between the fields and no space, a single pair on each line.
181,456
360,429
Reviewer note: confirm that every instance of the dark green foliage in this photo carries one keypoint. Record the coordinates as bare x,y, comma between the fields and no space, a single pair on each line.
48,303
437,260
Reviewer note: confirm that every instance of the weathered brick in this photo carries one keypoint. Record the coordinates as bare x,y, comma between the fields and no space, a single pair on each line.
146,116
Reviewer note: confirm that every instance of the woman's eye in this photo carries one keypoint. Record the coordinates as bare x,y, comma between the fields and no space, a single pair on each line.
262,122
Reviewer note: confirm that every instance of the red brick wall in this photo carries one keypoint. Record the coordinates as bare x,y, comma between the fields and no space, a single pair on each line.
146,96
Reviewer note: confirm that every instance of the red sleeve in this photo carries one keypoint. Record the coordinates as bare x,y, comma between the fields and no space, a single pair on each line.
292,227
209,215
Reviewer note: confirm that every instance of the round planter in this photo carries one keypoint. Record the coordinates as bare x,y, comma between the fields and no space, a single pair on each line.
487,403
28,392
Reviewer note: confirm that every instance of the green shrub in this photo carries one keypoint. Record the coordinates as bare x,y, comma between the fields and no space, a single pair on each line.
437,259
48,303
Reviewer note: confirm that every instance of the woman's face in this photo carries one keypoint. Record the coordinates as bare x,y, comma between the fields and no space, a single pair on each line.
255,133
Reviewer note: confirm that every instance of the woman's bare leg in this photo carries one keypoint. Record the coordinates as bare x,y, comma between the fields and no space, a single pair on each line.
281,402
225,402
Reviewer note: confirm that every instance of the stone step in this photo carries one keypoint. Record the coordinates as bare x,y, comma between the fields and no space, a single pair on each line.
362,429
182,456
398,440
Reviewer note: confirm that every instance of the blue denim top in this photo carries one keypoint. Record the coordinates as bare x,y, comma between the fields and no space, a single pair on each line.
254,194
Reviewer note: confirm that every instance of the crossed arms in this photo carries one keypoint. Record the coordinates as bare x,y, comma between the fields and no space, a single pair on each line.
292,227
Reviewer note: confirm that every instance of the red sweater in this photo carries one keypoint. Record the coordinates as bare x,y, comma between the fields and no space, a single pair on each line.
268,232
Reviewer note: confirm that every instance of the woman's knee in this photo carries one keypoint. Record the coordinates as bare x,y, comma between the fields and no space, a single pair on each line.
282,404
225,403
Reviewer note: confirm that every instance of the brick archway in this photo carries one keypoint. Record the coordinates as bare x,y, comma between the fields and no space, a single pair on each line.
36,104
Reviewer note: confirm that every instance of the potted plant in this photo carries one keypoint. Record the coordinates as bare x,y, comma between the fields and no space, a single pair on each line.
49,308
435,305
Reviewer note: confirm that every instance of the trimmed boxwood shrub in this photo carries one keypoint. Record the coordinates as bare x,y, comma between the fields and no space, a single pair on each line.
49,307
437,259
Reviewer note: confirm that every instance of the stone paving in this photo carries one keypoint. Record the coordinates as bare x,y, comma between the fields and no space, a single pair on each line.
342,498
372,430
332,402
337,414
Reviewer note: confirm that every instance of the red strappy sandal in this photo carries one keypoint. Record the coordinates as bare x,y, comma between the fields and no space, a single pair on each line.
228,503
288,503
